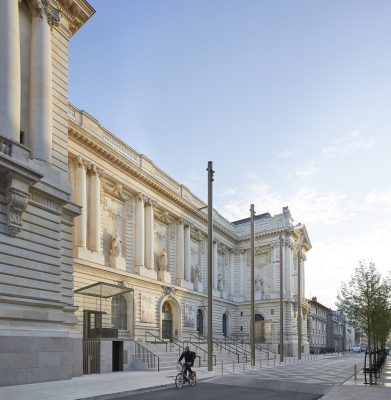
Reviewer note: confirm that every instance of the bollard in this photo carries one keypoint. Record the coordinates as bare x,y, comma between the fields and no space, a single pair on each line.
222,367
355,373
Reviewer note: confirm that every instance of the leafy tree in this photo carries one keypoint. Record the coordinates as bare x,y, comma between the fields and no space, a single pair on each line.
366,301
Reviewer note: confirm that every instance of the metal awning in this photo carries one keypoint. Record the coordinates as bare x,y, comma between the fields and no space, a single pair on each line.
103,290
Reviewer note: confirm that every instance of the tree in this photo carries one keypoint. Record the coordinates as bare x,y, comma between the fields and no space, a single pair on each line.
366,301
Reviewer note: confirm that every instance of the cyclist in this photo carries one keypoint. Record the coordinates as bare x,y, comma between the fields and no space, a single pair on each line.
189,357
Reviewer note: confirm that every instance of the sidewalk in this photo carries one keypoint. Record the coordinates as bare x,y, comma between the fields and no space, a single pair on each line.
97,387
108,386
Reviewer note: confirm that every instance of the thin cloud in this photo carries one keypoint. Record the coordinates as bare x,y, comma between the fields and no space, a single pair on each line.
351,143
285,154
306,170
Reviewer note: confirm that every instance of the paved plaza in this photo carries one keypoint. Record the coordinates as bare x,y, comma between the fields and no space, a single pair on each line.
330,377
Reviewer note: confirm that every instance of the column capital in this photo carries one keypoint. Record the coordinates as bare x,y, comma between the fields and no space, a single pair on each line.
149,202
46,8
95,170
139,197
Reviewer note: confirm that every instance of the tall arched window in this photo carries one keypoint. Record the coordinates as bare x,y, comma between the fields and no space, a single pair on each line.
119,317
225,325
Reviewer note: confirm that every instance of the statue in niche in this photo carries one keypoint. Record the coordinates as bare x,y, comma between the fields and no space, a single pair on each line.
220,285
163,261
197,276
116,245
259,285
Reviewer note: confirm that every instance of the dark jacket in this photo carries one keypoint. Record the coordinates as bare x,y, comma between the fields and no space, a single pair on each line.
188,356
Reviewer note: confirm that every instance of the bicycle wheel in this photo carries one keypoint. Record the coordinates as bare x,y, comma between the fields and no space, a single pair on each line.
192,381
179,380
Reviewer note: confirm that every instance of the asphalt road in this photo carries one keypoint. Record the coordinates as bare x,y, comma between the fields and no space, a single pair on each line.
307,381
222,391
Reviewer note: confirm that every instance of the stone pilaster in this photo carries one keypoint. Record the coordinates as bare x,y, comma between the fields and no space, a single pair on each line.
9,70
44,16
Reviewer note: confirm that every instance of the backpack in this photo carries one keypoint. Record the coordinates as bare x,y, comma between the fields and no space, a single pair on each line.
192,356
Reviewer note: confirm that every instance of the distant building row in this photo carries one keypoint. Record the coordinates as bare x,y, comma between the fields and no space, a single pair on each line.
330,331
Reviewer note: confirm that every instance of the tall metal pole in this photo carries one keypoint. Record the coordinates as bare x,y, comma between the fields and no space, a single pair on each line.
252,320
210,264
281,302
299,303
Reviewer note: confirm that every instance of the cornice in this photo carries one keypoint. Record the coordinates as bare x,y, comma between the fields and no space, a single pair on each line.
96,145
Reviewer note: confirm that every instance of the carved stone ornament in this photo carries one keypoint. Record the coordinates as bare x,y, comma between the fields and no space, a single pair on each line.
169,291
5,147
48,8
16,204
116,190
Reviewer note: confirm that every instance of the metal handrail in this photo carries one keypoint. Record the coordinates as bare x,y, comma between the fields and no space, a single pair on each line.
146,356
220,342
177,343
200,338
157,339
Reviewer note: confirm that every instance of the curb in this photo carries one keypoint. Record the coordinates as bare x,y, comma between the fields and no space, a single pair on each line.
117,395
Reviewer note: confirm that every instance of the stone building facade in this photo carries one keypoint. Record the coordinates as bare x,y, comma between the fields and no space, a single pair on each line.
38,339
317,326
96,241
141,229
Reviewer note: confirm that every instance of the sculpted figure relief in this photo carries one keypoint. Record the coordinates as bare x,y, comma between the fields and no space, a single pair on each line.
116,245
197,276
163,261
220,285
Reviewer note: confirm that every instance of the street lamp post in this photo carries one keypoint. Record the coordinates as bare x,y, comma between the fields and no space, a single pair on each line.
210,264
281,303
252,320
299,301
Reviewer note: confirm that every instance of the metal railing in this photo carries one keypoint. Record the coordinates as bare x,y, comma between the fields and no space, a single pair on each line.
146,356
156,339
222,345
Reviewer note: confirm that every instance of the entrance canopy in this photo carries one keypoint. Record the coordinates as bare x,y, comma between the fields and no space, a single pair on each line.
103,290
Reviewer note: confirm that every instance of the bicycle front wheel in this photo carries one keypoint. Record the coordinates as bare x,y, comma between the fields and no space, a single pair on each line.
179,381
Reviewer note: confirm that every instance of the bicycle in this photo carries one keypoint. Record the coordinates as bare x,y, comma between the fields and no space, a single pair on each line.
181,378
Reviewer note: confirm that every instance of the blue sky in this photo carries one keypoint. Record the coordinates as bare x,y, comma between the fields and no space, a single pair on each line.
290,99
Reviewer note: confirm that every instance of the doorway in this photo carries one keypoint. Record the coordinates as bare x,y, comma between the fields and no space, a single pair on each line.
225,325
200,322
259,328
166,321
118,352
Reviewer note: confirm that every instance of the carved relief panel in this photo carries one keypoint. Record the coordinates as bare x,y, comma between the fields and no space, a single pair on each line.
261,265
147,308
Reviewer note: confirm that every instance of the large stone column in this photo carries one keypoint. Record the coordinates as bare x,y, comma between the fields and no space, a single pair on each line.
187,252
94,211
215,266
288,270
231,273
242,272
139,230
81,200
9,70
149,234
44,16
180,254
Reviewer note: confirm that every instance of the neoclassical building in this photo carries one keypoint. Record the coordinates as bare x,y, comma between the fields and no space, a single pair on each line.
97,244
140,229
